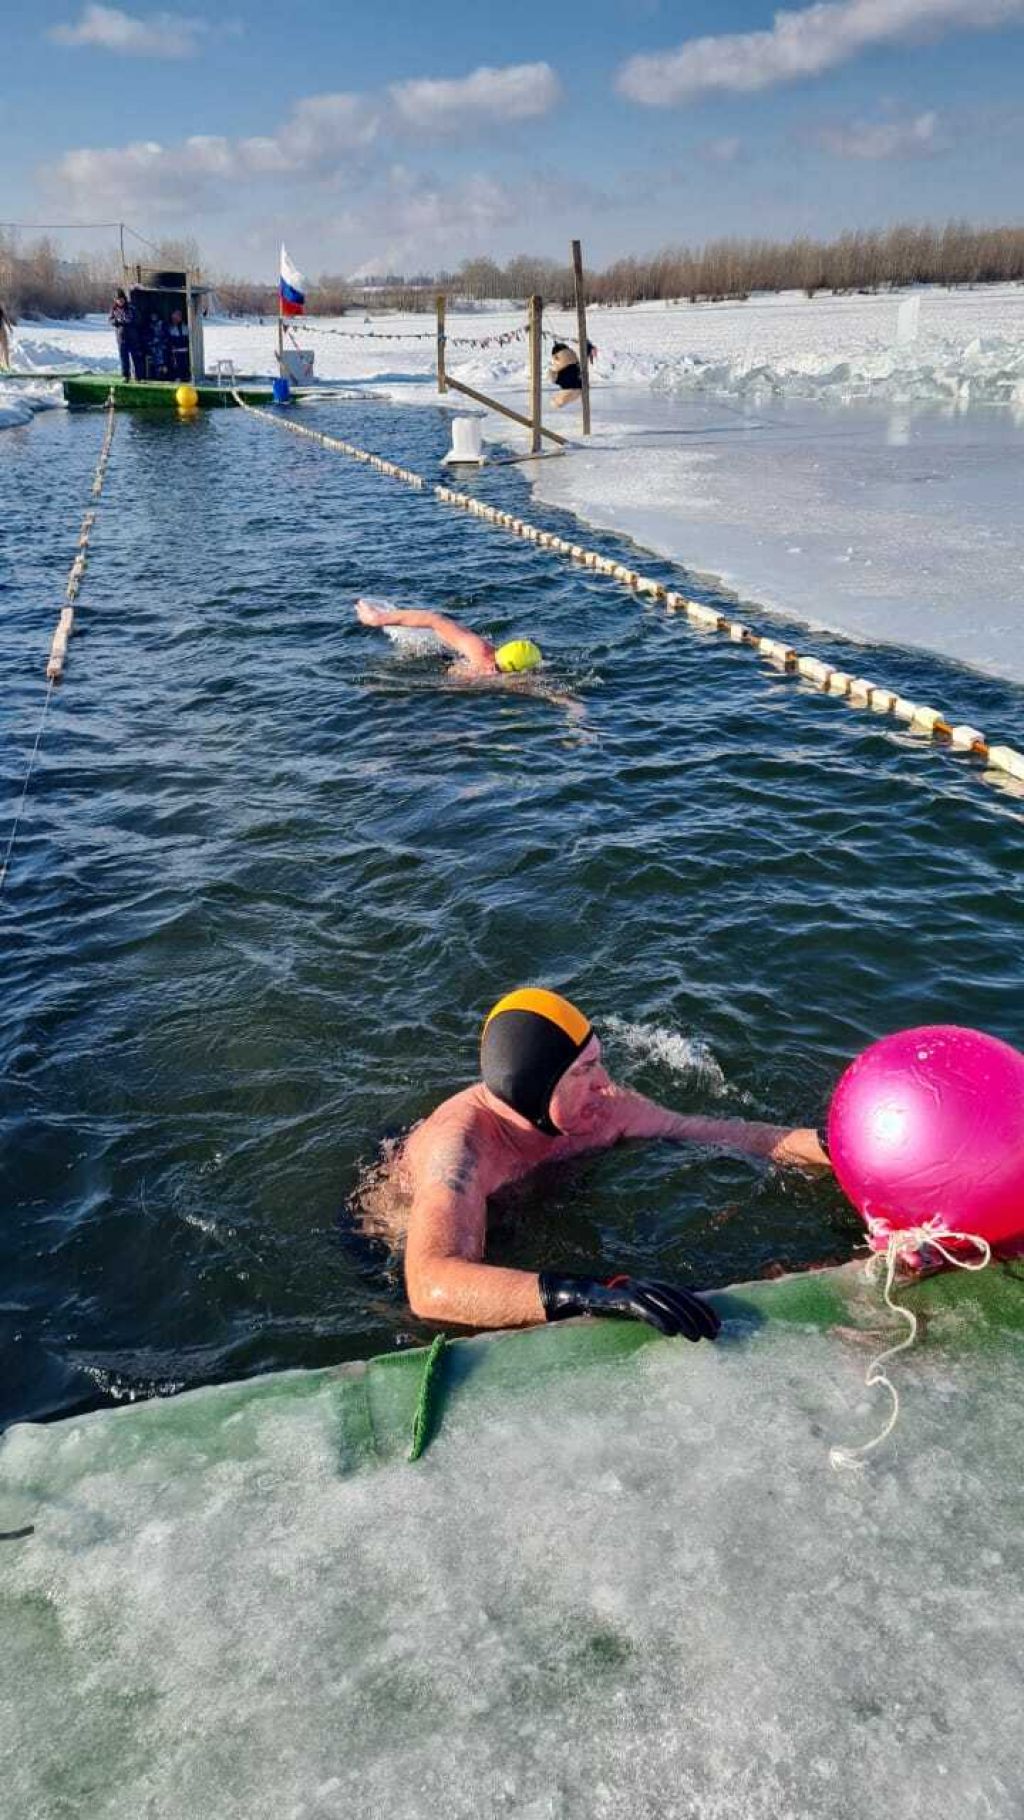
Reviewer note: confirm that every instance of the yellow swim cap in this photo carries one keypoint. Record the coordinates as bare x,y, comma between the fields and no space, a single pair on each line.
518,654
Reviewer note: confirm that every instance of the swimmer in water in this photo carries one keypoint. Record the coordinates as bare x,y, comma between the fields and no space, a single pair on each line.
545,1096
477,656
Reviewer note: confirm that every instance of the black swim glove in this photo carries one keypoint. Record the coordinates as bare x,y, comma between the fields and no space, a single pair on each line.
669,1310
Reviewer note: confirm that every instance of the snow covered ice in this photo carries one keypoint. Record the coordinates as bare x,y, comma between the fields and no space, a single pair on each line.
642,1590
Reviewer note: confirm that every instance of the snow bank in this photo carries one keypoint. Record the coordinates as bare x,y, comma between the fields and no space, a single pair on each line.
967,347
19,403
33,353
986,371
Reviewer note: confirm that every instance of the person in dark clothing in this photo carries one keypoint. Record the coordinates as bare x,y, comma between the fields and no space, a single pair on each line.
124,323
177,336
564,370
159,349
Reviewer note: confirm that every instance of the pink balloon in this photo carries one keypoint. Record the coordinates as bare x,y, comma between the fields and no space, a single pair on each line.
930,1122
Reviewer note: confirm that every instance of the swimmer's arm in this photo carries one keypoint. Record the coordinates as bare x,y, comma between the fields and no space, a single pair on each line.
574,708
476,650
444,1277
797,1146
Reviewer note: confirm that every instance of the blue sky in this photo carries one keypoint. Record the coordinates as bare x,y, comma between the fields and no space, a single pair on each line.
406,136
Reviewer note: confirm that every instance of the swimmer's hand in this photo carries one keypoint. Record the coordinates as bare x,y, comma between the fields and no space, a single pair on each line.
671,1311
370,614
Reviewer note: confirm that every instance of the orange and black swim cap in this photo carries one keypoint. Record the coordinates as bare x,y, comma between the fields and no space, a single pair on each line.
529,1040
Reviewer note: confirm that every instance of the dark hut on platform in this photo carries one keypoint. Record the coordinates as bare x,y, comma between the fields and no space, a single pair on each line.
155,296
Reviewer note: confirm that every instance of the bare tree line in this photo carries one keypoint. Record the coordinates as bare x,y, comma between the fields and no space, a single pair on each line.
37,281
856,261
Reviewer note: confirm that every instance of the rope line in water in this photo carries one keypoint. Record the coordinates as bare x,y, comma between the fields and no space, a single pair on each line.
66,621
24,788
855,691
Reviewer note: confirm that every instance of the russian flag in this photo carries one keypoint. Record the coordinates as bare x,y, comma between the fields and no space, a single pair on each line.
293,288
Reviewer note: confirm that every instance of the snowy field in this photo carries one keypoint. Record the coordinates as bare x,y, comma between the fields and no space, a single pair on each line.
822,457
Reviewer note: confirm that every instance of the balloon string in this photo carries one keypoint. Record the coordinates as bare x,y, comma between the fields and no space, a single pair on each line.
903,1243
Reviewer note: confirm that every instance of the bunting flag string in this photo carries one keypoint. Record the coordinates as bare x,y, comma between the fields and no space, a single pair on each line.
500,340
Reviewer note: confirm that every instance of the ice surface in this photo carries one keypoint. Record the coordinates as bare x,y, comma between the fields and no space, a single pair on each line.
884,525
797,448
642,1591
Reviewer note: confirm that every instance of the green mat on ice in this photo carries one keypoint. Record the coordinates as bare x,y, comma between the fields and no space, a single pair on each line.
387,1405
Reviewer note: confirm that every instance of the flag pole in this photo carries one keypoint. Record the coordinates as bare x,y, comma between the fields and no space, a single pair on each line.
280,318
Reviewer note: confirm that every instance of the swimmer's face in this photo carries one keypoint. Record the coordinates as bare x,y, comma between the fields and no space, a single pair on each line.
578,1100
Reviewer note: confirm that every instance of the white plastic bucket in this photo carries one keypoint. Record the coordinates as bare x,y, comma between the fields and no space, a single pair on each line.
467,440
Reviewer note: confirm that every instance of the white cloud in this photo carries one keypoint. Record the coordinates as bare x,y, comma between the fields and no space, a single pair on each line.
145,178
415,221
322,135
521,91
106,28
322,129
884,139
800,45
148,177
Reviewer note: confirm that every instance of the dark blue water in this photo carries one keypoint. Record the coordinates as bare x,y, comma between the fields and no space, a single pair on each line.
270,878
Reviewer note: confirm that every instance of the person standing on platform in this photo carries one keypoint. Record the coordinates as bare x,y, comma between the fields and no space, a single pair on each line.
159,349
124,323
177,337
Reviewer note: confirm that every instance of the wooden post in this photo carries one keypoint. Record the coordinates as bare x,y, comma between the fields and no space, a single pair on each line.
536,355
581,331
442,376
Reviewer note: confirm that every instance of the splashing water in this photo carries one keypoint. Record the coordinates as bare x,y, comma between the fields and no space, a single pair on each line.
688,1056
414,641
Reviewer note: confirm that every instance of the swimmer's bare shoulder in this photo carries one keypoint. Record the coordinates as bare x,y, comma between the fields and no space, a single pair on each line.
454,1150
454,1161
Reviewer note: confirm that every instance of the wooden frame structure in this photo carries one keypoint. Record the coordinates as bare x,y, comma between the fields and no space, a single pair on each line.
535,421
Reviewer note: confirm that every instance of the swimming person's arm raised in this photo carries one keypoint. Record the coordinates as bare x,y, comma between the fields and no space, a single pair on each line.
792,1145
466,644
445,1279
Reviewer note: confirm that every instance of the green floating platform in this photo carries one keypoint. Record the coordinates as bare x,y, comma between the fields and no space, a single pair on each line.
155,394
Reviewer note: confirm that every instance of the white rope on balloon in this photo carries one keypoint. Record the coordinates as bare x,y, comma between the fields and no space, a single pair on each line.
904,1243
